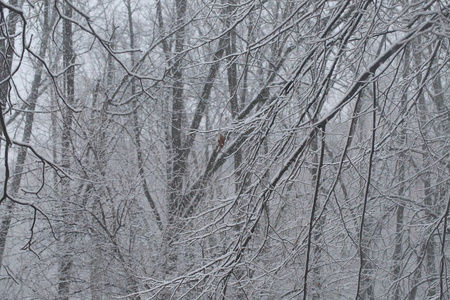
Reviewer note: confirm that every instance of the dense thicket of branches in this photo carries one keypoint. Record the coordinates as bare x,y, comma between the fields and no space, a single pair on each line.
224,149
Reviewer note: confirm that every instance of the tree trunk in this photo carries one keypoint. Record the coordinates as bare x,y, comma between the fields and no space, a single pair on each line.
67,238
397,256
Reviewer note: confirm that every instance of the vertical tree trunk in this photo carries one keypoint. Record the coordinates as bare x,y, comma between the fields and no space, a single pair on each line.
7,34
177,163
317,232
232,76
97,275
400,208
314,234
429,193
366,285
66,262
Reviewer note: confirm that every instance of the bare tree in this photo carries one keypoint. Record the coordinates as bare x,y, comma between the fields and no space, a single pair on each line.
225,149
11,192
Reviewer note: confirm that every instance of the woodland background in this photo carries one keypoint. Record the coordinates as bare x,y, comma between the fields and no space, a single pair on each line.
227,149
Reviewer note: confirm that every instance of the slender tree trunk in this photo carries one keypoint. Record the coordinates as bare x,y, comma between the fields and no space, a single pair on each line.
232,76
429,194
317,232
97,275
397,256
367,230
7,34
178,164
67,239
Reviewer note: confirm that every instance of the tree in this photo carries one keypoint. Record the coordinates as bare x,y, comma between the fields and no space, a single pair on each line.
226,149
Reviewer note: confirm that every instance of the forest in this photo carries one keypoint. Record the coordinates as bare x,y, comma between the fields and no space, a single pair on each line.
224,149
